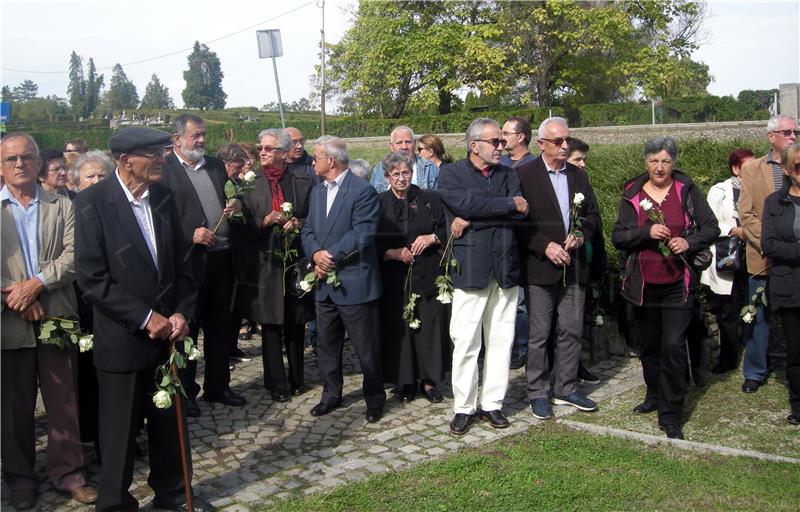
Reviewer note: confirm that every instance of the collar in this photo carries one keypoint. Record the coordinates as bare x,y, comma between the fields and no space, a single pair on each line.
128,194
6,195
338,180
186,164
550,169
770,160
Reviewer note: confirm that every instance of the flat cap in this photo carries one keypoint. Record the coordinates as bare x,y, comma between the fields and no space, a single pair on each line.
128,139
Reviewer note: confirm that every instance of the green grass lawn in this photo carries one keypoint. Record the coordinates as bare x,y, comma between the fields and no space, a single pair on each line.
719,413
554,468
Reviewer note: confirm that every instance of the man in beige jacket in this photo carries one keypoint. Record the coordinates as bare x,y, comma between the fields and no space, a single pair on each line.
760,178
38,268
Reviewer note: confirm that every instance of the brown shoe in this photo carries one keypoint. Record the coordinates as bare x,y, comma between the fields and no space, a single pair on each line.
84,494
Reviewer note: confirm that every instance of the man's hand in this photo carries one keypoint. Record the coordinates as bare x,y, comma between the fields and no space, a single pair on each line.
203,236
179,327
421,243
273,217
659,232
458,227
158,327
34,313
324,260
556,254
678,245
400,254
520,204
572,242
321,274
233,206
21,294
738,231
292,224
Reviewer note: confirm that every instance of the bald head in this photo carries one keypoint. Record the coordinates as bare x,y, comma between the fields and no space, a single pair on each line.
298,144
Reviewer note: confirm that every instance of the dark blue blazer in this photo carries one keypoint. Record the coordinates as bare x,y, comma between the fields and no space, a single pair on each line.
348,233
488,247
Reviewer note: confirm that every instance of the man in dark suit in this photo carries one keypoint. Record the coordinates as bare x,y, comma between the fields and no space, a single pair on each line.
554,267
487,195
129,259
339,235
198,185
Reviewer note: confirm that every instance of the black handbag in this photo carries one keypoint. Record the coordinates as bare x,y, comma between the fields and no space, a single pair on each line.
701,259
729,251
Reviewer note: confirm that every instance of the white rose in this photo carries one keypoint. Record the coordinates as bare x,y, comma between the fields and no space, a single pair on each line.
598,320
748,318
162,399
86,343
193,354
444,298
414,324
287,207
249,177
578,199
646,204
305,286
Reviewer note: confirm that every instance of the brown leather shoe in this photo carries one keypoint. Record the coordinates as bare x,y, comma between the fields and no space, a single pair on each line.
84,494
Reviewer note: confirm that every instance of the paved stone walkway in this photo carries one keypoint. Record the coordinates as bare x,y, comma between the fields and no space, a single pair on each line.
269,451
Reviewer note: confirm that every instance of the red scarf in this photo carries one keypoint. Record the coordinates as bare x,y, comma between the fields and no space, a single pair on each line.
274,175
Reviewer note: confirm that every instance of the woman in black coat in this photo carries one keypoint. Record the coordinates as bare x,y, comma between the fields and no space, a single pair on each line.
780,242
411,234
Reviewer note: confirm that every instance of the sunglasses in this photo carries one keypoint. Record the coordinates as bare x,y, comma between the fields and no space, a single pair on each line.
498,143
787,133
268,149
558,141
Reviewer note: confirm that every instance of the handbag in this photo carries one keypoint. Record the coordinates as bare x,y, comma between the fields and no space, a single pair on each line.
701,259
729,254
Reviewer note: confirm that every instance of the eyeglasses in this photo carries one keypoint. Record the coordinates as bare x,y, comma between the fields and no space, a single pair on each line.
268,149
298,142
11,161
558,141
400,175
787,133
498,143
156,153
421,148
58,170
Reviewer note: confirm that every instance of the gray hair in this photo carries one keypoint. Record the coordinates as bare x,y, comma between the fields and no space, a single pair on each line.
279,134
775,121
475,128
542,132
179,126
659,144
394,159
232,152
95,156
26,136
334,147
401,127
360,168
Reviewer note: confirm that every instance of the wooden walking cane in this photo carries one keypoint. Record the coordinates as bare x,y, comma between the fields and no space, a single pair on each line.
187,485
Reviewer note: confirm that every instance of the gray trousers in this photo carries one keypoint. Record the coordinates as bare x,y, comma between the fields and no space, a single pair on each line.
542,301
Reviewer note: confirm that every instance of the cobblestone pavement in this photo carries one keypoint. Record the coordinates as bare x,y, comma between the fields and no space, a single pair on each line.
268,451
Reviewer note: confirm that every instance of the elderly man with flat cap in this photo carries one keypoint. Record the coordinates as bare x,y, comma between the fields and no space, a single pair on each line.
129,251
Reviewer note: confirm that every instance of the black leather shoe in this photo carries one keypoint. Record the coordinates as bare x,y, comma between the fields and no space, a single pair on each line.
460,424
793,419
374,415
433,395
518,362
226,397
751,386
673,431
697,377
721,368
299,390
23,499
645,407
198,504
495,418
192,409
323,408
280,397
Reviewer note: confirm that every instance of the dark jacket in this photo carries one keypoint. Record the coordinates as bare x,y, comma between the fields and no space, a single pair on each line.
780,245
488,248
626,235
305,164
545,223
191,215
117,275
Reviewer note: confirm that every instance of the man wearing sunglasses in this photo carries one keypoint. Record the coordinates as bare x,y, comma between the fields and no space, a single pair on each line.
425,173
198,184
761,178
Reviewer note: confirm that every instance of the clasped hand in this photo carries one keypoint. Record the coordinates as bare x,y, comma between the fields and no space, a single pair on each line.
159,327
677,244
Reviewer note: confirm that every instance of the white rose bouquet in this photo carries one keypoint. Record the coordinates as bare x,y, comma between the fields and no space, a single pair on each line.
167,381
444,282
234,190
748,313
64,333
409,313
286,253
655,214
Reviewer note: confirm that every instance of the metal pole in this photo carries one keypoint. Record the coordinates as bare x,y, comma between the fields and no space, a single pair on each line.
278,87
322,74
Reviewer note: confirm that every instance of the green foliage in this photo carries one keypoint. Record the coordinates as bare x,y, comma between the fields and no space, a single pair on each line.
121,91
757,100
25,91
156,95
203,80
84,88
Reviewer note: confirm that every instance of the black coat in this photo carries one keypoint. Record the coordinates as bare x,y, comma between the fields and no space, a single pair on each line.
545,223
117,275
780,245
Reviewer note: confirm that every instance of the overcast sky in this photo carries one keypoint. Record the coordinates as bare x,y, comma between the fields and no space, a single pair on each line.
749,45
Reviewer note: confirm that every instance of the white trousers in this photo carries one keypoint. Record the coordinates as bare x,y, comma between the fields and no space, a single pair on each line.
492,311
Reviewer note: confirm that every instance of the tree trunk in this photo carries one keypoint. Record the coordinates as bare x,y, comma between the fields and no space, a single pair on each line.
445,101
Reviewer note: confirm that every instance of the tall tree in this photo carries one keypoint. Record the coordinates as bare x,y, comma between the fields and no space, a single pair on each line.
157,95
6,94
25,91
94,86
203,80
121,91
76,90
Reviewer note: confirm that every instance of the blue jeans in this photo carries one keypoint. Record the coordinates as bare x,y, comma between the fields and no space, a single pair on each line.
520,346
755,351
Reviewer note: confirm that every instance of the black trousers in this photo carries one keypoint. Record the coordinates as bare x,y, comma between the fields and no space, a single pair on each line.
215,316
790,318
124,399
362,322
731,331
663,322
272,356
